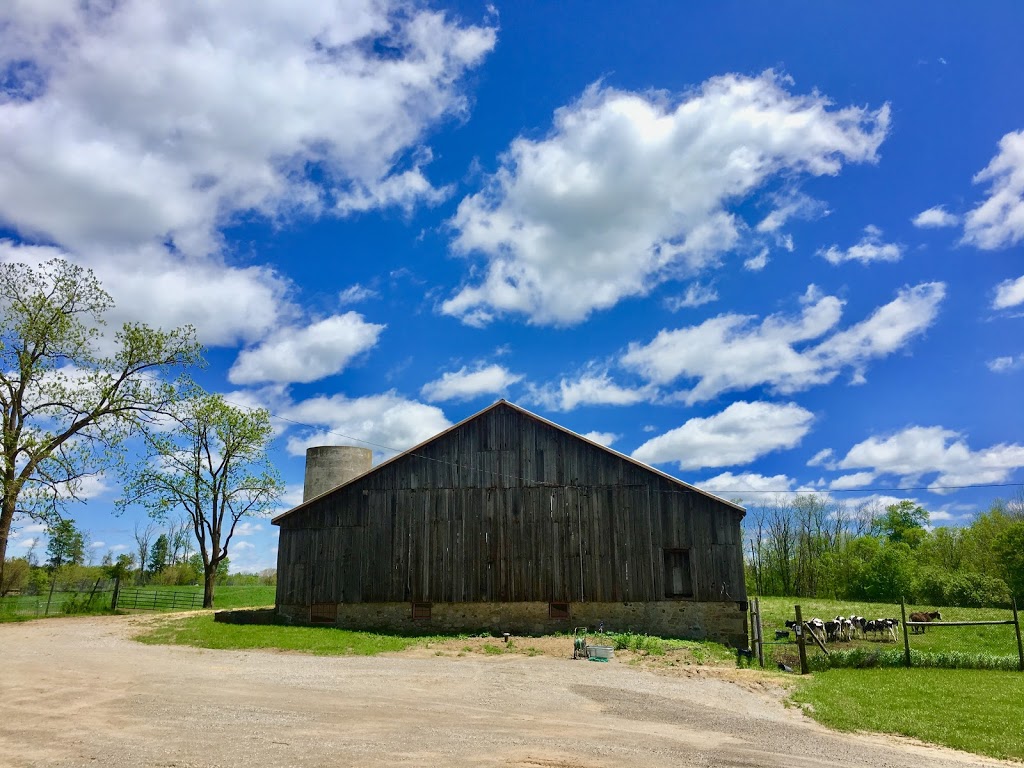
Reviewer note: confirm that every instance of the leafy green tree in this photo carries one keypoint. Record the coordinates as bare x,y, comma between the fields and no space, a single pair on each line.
66,544
16,576
211,463
903,523
158,553
66,405
1009,549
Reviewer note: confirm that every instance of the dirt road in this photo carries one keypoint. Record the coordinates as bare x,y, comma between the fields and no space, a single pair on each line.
77,692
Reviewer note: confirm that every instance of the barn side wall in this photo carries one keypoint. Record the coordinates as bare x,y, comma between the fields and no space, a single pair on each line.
721,622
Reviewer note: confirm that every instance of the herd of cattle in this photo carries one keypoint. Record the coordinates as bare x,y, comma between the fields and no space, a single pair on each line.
845,629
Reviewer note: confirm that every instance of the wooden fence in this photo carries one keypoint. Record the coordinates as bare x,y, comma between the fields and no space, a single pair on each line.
1015,621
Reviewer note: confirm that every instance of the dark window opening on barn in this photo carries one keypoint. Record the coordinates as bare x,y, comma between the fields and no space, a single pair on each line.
558,610
678,578
323,613
421,611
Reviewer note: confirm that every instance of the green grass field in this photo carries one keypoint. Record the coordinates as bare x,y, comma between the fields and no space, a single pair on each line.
992,640
976,711
202,631
227,596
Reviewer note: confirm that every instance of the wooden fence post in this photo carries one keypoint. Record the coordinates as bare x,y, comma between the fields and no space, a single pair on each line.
760,633
117,592
1016,626
906,637
800,641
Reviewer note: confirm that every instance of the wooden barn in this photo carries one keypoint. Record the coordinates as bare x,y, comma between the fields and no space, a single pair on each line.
511,523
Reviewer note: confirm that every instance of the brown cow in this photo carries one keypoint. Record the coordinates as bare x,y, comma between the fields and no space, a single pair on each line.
921,616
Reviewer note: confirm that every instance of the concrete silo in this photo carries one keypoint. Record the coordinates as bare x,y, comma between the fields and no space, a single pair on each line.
328,466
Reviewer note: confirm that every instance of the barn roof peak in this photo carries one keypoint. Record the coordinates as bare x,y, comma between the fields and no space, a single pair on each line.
502,402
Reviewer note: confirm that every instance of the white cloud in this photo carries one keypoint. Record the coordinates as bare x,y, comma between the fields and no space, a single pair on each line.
247,528
918,451
935,217
738,435
1009,293
158,122
381,421
793,204
306,354
602,438
758,262
697,295
822,458
731,352
999,220
869,249
855,480
727,482
465,384
629,189
591,387
355,294
132,133
1007,363
241,546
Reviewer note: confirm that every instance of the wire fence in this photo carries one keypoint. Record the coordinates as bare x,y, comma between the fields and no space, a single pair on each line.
100,597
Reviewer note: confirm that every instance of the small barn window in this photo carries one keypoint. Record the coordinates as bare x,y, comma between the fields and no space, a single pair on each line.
678,577
421,611
558,610
323,613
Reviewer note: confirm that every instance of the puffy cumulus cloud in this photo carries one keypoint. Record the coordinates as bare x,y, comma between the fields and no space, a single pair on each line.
733,352
738,435
602,438
792,204
226,304
1009,293
999,220
697,295
869,249
1006,363
727,482
306,354
590,387
465,384
132,132
124,123
854,480
629,189
935,217
917,451
384,421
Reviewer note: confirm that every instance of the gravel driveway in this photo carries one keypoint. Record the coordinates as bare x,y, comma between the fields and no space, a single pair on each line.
81,692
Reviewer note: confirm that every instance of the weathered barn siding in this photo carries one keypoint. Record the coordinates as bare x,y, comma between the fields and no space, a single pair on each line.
507,508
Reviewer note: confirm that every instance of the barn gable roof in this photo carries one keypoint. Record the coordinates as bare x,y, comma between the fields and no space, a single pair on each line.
529,414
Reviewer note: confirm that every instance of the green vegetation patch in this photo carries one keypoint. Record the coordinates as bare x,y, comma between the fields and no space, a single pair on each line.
202,632
973,710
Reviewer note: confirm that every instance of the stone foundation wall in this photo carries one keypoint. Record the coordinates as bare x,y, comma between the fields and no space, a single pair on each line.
721,622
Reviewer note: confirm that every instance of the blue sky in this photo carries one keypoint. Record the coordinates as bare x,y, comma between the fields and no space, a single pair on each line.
765,248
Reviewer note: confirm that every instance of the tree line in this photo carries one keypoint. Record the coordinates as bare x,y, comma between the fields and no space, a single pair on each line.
810,545
162,557
76,402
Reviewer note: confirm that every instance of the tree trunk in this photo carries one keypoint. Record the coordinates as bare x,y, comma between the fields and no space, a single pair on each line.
6,519
210,573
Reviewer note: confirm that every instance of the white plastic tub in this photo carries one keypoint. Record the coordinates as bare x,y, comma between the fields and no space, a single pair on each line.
600,652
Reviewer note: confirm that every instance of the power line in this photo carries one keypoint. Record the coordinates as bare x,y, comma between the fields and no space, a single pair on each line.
715,492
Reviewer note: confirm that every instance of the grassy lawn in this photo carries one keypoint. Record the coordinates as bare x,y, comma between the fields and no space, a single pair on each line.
976,711
203,632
